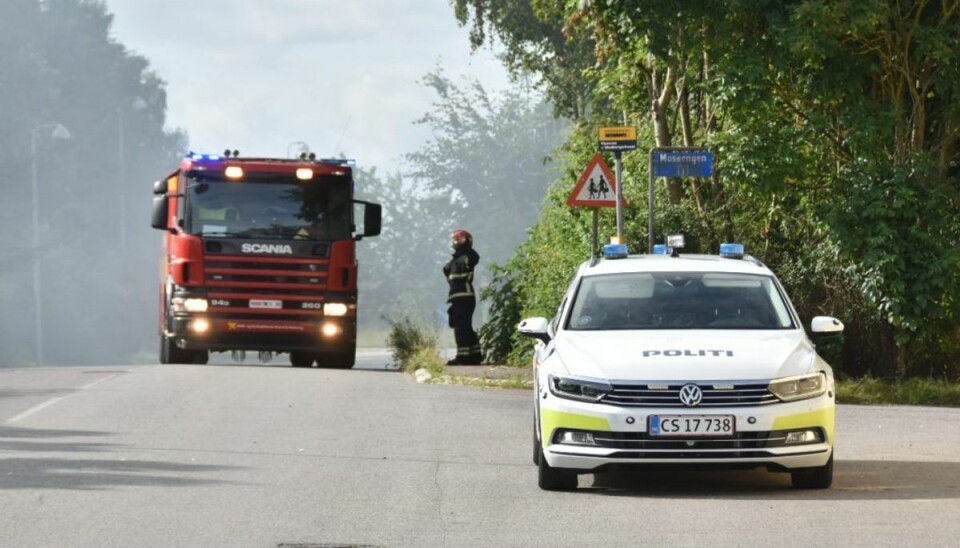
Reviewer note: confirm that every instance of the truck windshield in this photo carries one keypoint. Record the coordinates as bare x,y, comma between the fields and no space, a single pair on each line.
279,209
679,300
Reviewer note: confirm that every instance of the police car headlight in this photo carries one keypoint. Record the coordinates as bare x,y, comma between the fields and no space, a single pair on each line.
189,305
799,388
573,388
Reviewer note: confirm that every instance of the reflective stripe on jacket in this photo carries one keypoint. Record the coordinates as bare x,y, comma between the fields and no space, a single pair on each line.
459,273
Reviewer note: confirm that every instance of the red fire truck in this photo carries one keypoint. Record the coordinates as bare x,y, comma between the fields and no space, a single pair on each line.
259,255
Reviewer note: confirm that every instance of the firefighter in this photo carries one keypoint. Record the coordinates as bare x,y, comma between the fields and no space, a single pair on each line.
462,299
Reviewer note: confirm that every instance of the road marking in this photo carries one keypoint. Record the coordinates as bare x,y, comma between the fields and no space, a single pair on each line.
51,401
34,409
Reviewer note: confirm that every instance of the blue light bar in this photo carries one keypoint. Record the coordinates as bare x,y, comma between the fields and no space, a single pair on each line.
615,251
662,249
732,250
195,156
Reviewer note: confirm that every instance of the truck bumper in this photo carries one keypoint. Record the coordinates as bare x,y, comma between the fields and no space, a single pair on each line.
328,336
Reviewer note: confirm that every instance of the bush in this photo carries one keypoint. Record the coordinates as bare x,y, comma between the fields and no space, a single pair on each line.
407,338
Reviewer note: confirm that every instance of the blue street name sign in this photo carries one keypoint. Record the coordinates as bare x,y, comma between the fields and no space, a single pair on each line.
682,163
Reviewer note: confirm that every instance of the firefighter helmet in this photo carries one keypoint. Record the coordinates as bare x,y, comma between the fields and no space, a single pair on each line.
461,237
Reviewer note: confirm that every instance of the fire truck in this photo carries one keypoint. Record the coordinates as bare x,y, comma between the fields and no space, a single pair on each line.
259,255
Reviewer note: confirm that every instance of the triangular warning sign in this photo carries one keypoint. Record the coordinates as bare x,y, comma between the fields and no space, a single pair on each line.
596,187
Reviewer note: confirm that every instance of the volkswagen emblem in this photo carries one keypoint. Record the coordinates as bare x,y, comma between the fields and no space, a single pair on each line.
691,395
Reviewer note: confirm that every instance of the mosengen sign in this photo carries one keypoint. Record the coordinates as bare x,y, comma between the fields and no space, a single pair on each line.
682,163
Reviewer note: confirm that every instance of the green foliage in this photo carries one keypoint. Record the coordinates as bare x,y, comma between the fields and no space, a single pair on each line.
407,338
835,126
60,64
425,358
535,46
400,270
497,334
916,391
488,157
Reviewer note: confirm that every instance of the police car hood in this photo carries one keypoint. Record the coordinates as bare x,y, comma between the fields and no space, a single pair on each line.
654,355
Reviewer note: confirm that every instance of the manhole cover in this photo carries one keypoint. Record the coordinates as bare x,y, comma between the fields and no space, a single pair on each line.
325,545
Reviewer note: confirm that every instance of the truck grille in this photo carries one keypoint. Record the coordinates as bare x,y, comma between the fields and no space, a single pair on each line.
248,288
668,395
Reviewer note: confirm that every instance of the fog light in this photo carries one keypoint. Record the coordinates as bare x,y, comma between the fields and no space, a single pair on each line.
200,325
576,438
803,436
331,329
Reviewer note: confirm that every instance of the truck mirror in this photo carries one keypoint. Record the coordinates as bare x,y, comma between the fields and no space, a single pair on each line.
372,216
158,218
371,219
160,187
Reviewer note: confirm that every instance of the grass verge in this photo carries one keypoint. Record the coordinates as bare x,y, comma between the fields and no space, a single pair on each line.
415,350
871,391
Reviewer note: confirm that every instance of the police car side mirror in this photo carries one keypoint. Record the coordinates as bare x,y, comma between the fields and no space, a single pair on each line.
535,328
825,326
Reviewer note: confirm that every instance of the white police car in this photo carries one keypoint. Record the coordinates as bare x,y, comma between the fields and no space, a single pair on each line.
680,359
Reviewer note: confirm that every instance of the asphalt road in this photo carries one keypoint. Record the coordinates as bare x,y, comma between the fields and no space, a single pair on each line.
269,455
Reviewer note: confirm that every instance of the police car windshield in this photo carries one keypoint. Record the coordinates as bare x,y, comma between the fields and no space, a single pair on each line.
678,300
274,209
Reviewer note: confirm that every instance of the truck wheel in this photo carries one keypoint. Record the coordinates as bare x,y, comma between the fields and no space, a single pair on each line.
553,479
301,359
340,360
201,357
820,477
170,354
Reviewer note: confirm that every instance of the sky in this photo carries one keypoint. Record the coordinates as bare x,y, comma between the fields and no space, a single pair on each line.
340,75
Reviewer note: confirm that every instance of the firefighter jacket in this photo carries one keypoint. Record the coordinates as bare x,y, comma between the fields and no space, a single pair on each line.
459,273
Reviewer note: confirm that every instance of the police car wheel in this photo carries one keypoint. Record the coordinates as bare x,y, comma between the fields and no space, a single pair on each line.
301,359
553,479
820,477
536,443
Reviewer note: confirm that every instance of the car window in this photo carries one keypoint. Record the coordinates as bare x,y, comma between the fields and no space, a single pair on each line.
679,300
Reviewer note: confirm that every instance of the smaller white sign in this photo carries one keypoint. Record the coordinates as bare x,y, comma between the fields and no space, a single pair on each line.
272,305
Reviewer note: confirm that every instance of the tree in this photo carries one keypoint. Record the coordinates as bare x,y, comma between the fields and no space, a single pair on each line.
489,156
58,63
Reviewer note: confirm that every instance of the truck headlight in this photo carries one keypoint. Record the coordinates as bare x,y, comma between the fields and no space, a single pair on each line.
189,305
573,388
799,388
334,309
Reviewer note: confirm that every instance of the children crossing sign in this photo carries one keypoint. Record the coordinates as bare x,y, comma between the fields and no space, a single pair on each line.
597,186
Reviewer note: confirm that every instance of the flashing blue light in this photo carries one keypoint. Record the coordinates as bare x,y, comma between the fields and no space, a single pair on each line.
196,156
615,251
662,249
732,250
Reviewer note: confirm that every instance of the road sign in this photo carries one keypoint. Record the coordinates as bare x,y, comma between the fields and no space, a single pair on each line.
617,139
596,187
682,163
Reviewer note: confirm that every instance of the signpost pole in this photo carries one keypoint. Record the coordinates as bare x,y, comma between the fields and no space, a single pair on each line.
596,231
651,198
619,173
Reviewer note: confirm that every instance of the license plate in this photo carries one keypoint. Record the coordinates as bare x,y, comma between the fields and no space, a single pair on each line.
691,425
260,303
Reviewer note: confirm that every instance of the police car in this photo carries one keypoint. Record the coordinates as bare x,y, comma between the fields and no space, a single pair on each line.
670,359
